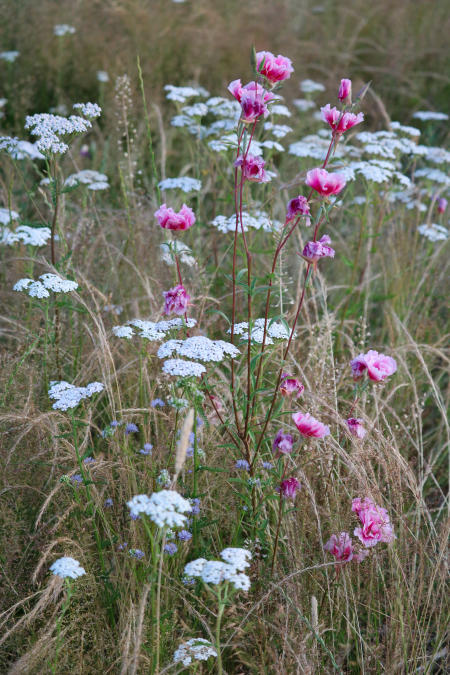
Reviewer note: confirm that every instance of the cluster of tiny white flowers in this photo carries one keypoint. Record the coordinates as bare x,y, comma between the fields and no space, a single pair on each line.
69,396
102,76
93,179
62,29
303,104
47,282
182,94
67,567
258,221
184,183
198,348
165,508
434,175
151,330
10,57
169,249
195,110
433,232
182,368
50,127
7,216
427,115
278,130
89,110
275,331
311,87
196,649
216,571
32,236
17,149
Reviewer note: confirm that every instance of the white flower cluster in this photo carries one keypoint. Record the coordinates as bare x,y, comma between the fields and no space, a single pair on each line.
410,131
9,57
50,127
282,110
303,104
181,368
315,146
258,221
435,175
32,236
182,94
275,331
181,249
93,179
89,110
67,567
278,130
196,649
165,508
433,232
17,149
198,348
216,571
429,115
62,29
151,330
47,282
102,76
69,396
183,183
311,87
7,216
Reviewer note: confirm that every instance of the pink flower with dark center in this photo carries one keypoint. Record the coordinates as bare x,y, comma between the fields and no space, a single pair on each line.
176,300
275,68
338,121
340,545
376,525
298,207
290,386
289,487
345,91
308,426
314,250
170,220
378,366
253,168
282,444
325,183
253,98
442,205
356,428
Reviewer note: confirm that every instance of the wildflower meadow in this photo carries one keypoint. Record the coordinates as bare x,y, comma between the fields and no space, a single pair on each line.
224,338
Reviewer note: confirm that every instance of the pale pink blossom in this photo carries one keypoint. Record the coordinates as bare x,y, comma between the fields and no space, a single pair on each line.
170,220
325,183
340,545
176,300
253,98
338,121
291,386
345,90
376,525
289,487
275,68
253,168
298,207
355,427
314,250
282,443
309,426
378,366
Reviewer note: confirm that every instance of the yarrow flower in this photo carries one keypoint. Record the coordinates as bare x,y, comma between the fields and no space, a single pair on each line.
216,571
282,443
176,300
340,122
195,649
170,220
69,396
62,29
253,98
184,183
198,348
355,427
345,91
340,546
89,110
164,508
314,250
275,331
274,68
378,366
325,183
291,386
298,207
67,567
376,525
45,283
310,427
253,168
182,368
289,487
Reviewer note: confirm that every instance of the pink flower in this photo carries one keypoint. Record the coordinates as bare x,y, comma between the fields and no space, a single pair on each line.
291,385
345,91
275,68
309,426
282,443
355,426
378,366
340,122
176,300
314,250
376,526
325,183
298,207
340,545
289,487
253,98
253,168
442,205
170,220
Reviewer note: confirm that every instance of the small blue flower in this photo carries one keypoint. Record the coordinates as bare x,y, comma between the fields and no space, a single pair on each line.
137,553
268,466
191,437
147,449
157,402
89,460
190,451
184,535
108,503
195,503
131,429
170,548
242,464
122,547
135,516
76,479
114,424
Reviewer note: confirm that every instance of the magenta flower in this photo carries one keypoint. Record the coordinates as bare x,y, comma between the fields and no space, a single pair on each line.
338,121
289,487
253,98
340,545
291,385
170,220
275,68
355,427
314,250
298,207
345,91
282,444
325,183
378,366
442,205
253,168
376,526
309,426
176,300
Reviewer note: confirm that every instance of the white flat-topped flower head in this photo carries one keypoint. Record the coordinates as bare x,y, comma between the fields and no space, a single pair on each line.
198,348
433,232
9,57
195,649
45,283
151,330
67,567
182,368
275,331
68,395
62,29
165,508
184,183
